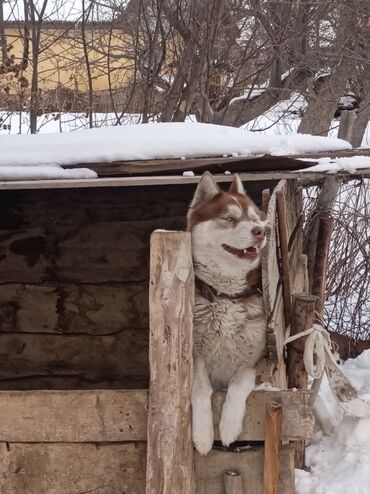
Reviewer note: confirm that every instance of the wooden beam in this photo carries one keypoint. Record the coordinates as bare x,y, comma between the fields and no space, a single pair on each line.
73,416
121,415
172,180
297,420
72,468
274,413
171,298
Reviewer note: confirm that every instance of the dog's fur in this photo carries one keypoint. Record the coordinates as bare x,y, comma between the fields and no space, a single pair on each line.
230,325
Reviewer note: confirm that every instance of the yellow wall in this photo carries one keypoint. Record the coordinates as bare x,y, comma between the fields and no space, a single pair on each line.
62,60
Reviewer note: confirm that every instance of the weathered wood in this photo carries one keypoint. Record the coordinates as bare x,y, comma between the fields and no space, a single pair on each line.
72,468
269,263
284,252
121,415
303,317
304,306
73,416
104,252
297,423
321,260
274,412
215,164
73,308
131,182
171,299
266,195
90,358
271,277
249,463
233,482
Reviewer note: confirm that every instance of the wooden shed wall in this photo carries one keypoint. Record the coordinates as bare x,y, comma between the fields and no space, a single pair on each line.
74,267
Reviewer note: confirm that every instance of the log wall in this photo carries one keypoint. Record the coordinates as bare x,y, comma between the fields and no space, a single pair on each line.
74,270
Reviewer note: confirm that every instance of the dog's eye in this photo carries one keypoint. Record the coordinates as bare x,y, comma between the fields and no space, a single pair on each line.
230,220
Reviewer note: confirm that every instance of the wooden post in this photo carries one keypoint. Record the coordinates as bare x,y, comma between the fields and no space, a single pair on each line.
274,414
233,482
321,260
266,195
284,249
171,292
303,318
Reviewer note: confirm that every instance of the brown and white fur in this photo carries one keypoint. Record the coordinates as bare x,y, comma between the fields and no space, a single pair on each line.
228,232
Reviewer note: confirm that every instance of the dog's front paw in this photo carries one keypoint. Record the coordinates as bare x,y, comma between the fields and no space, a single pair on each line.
203,437
230,428
203,442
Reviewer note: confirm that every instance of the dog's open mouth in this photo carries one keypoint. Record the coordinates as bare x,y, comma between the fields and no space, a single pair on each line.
248,253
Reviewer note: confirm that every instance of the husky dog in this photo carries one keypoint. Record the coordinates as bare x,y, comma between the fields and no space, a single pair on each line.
228,232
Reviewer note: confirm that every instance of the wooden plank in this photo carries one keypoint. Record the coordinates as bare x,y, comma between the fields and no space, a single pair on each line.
73,416
62,209
284,254
125,415
72,468
171,299
271,470
73,308
90,358
91,252
215,164
249,464
169,180
297,420
269,264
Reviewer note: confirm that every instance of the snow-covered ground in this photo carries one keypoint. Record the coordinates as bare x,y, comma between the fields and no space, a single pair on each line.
339,462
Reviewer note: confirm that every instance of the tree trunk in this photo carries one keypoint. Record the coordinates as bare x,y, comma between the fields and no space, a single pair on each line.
361,122
241,111
323,97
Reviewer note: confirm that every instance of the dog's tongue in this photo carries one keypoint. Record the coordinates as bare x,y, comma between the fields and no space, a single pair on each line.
248,253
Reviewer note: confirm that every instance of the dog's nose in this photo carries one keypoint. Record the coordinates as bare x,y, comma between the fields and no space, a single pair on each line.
258,233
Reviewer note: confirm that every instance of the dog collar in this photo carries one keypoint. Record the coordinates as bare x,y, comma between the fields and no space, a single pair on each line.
210,293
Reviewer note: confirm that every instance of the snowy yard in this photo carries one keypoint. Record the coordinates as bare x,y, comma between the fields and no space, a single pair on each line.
339,462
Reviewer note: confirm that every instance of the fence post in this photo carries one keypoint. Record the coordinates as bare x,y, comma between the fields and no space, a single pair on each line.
171,298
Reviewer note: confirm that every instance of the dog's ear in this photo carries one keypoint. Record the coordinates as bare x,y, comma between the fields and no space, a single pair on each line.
207,188
236,185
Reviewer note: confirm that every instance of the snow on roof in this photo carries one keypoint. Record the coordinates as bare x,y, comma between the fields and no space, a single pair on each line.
28,156
333,165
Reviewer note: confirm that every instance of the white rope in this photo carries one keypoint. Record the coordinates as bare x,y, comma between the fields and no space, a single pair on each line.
317,349
318,358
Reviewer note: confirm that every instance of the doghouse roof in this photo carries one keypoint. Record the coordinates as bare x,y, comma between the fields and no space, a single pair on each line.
168,154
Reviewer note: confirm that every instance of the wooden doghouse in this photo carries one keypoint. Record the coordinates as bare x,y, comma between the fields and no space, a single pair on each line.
75,345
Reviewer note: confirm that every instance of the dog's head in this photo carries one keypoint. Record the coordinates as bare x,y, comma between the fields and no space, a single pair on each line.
228,230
